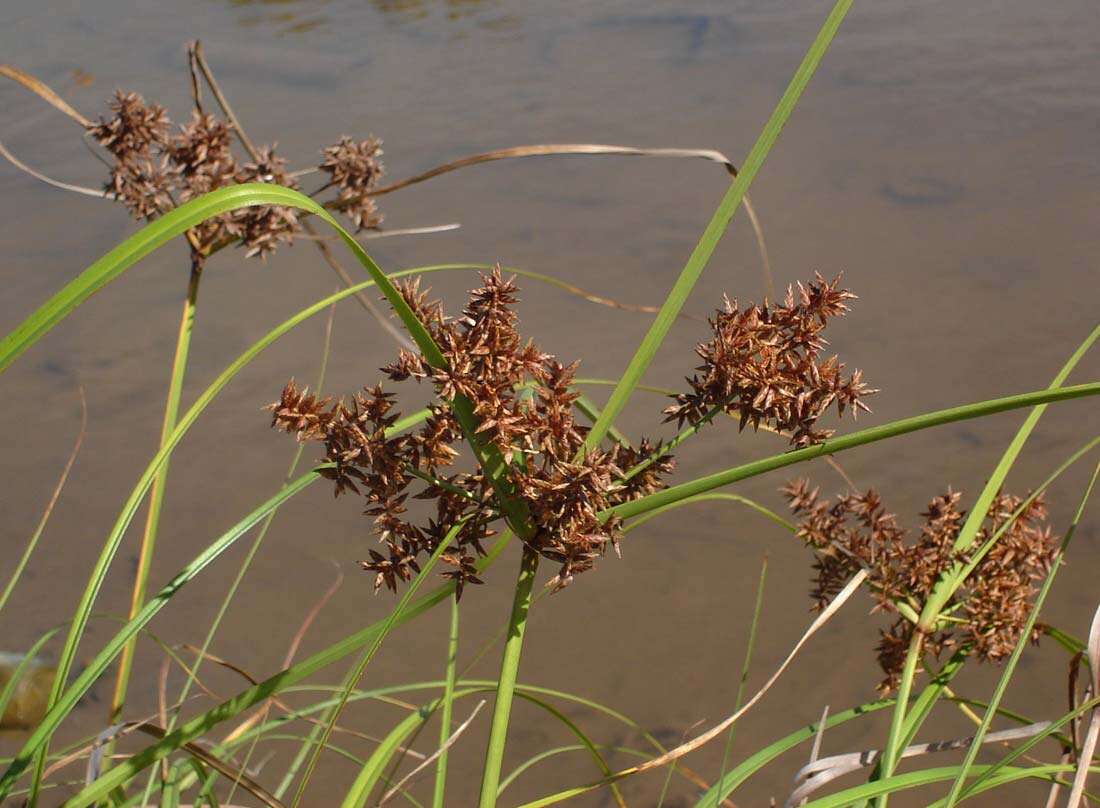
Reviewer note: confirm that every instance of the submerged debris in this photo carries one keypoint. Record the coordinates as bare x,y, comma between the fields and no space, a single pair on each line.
28,701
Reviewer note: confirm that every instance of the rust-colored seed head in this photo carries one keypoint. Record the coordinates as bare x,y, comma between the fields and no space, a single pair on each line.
523,400
264,227
144,187
762,364
202,149
133,128
154,171
355,169
991,608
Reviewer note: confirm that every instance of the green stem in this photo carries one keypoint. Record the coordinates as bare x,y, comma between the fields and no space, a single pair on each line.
664,449
351,681
897,720
845,442
506,687
447,706
156,493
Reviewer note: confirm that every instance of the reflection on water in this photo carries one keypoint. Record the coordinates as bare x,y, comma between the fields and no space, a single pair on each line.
422,9
418,16
283,17
289,17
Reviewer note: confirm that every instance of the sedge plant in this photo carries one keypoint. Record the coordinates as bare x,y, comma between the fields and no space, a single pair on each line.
536,475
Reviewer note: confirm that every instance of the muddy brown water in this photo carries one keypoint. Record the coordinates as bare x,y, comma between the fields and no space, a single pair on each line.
944,158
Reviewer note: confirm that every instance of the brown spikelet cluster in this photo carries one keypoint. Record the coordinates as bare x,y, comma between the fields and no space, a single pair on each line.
133,128
763,364
203,156
355,169
262,228
153,170
523,402
989,611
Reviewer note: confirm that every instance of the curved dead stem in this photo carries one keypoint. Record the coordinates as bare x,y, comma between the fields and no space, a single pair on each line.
40,89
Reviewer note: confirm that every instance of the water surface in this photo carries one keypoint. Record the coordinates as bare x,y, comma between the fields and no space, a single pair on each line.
944,159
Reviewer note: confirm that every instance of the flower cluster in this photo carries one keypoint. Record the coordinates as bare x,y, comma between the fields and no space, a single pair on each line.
763,365
154,170
133,127
523,402
355,169
988,611
203,156
262,228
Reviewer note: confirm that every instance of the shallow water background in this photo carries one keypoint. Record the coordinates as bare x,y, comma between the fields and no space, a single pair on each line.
944,158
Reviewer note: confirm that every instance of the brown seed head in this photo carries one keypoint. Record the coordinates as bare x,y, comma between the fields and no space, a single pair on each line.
763,364
264,227
524,401
355,169
133,128
991,608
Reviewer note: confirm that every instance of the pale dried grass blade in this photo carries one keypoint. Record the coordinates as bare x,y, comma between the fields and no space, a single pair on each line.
432,757
761,246
815,752
815,775
38,175
823,618
40,89
550,149
1088,748
1056,786
604,149
412,231
715,731
162,710
1094,652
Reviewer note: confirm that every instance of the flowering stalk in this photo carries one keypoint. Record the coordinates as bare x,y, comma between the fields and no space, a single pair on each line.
506,685
446,708
156,494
